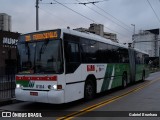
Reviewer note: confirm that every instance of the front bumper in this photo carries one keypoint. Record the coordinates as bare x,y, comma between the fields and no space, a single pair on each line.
52,96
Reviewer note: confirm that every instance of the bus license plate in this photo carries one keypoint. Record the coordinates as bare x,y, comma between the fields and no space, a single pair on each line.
34,93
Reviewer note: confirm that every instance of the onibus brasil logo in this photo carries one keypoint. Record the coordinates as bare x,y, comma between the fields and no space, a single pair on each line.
22,115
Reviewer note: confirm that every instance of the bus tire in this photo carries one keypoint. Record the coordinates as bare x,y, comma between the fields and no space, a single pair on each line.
124,80
89,90
143,75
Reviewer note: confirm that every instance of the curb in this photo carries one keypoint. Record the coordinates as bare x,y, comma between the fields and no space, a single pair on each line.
7,101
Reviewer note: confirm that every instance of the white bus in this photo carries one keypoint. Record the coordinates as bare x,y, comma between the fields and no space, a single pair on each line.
63,65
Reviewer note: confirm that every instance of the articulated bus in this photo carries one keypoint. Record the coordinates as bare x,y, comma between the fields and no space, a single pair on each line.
63,65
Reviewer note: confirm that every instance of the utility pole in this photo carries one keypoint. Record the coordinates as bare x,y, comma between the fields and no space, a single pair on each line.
37,17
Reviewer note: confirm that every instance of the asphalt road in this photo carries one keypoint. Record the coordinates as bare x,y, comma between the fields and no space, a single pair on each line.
140,99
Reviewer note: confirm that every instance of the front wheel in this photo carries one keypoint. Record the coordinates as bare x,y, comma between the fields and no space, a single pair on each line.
89,90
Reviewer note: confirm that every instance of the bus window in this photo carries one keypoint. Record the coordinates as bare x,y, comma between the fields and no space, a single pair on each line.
102,56
84,49
108,54
123,55
72,56
92,51
89,49
139,58
146,59
114,55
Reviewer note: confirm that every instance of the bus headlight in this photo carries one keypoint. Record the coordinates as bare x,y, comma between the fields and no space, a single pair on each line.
55,87
18,85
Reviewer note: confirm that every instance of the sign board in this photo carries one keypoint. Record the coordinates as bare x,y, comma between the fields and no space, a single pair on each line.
38,36
9,42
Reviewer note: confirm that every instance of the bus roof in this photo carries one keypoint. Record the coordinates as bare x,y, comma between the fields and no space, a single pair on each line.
97,38
92,37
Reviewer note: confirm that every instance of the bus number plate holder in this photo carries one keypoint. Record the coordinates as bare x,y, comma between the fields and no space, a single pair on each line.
34,93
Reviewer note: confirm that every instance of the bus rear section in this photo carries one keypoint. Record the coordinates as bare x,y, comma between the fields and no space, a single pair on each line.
40,75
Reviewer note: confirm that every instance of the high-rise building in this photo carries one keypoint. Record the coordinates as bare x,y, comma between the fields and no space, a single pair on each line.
5,22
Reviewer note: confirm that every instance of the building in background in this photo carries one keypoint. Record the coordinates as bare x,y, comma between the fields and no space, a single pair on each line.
8,57
5,22
98,29
110,36
148,40
8,44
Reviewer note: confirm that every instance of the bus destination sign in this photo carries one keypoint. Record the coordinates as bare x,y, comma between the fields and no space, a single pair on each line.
42,36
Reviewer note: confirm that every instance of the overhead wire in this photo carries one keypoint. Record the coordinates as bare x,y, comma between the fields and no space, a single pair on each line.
110,14
74,11
128,30
93,2
108,18
87,17
51,13
47,3
154,11
54,3
89,2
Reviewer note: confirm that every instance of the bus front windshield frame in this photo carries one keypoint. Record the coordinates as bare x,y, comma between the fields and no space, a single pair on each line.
40,57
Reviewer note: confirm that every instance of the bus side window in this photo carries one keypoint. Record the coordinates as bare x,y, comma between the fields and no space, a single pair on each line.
72,56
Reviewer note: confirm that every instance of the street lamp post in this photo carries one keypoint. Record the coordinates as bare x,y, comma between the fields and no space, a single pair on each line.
133,33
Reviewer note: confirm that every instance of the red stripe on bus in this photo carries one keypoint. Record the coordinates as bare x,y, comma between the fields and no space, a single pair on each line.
50,78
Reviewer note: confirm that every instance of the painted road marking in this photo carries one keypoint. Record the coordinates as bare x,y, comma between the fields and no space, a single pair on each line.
103,103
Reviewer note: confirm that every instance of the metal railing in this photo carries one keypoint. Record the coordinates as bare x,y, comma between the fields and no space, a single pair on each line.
7,87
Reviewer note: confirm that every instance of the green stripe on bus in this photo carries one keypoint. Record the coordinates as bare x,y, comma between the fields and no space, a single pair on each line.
117,80
107,77
24,83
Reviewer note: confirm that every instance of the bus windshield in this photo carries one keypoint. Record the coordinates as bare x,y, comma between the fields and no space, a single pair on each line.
40,57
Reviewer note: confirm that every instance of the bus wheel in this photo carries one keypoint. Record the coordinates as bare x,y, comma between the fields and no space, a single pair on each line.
89,90
124,80
143,75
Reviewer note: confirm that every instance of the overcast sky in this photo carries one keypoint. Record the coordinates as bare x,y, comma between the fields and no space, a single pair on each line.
116,15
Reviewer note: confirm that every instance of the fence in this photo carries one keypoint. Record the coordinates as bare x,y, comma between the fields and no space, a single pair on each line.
7,87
